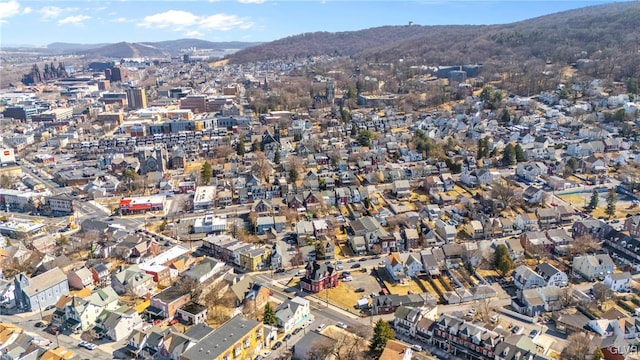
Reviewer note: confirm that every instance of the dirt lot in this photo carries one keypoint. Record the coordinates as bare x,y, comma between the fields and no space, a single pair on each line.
581,200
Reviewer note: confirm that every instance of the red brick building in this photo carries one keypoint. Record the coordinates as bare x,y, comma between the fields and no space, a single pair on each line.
319,276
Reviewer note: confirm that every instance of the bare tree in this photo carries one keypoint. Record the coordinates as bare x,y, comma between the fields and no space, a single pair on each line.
261,167
601,292
503,191
584,244
577,348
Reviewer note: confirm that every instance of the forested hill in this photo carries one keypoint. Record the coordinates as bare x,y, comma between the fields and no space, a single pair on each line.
597,31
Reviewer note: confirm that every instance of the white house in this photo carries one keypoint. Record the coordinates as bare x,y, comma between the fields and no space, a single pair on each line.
401,266
593,267
80,278
292,313
618,281
524,278
552,275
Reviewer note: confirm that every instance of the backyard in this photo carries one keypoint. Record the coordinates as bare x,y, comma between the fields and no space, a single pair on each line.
624,203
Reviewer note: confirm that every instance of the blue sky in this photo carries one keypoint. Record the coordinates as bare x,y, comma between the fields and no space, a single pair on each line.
40,22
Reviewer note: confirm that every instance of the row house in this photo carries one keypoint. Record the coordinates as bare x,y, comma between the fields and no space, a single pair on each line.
593,267
388,304
406,319
623,246
464,339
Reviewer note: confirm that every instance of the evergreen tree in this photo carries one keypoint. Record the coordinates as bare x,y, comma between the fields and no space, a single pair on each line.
320,250
255,146
381,334
593,203
502,261
240,148
509,155
293,175
269,317
612,197
520,156
276,157
505,117
206,172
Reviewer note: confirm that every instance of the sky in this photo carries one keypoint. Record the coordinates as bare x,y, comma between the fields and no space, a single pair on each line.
41,22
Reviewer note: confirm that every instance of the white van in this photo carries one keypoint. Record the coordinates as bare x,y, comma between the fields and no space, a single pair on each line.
416,347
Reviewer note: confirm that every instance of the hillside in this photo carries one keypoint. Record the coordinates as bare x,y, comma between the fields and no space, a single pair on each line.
565,36
71,47
176,46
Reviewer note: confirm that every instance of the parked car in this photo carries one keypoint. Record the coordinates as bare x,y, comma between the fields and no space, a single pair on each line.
297,330
533,333
363,259
287,337
280,270
276,345
40,324
360,290
320,327
494,319
341,325
82,344
515,329
355,266
416,347
347,279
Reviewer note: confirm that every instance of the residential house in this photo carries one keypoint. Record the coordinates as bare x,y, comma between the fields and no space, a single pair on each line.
534,302
254,258
632,225
547,217
516,251
318,276
434,185
445,231
462,338
249,293
401,266
411,238
526,222
132,279
264,224
401,189
78,314
387,304
530,171
357,244
204,270
292,313
165,304
119,323
80,278
618,281
407,318
238,338
524,278
40,291
532,195
593,267
475,229
101,275
552,275
192,313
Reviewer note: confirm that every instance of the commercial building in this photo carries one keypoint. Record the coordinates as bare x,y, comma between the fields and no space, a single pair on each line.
20,230
204,198
209,224
195,103
136,98
238,338
142,204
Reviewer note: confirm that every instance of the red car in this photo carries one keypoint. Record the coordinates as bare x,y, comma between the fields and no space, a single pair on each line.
554,204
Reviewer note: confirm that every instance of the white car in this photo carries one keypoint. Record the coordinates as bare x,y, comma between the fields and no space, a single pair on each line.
320,327
416,347
494,319
341,325
266,353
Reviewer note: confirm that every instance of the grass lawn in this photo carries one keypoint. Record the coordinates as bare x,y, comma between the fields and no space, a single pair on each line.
485,273
192,166
404,289
342,295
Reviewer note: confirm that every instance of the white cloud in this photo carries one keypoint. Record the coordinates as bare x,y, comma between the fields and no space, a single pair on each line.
251,1
26,10
8,9
224,22
74,20
50,12
177,19
193,33
185,21
120,20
